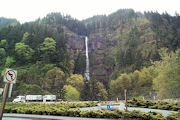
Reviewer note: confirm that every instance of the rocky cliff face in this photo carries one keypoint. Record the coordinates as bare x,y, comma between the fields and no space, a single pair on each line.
98,44
76,43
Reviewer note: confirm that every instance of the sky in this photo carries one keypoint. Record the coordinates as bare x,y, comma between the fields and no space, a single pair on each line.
29,10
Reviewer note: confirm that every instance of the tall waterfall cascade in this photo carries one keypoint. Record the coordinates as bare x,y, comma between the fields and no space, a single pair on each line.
86,74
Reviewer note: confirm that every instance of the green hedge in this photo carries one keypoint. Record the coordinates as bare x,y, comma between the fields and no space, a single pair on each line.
174,116
71,109
154,104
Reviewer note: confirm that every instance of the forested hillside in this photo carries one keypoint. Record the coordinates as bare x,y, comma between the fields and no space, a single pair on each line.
128,50
4,22
132,42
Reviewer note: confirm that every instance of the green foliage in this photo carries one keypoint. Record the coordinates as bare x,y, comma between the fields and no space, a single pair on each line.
5,22
135,78
54,81
31,49
47,67
65,109
71,66
27,89
167,82
2,53
3,44
95,90
80,64
54,75
34,73
114,88
174,116
25,37
9,61
71,94
101,92
118,86
138,83
73,24
49,45
24,52
173,106
126,41
146,78
77,81
47,48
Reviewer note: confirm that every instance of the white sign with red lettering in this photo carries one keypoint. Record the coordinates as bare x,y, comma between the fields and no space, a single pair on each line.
10,76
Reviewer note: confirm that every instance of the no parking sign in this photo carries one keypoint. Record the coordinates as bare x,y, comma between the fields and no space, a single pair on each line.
10,76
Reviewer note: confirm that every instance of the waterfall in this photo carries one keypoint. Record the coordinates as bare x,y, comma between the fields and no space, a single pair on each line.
86,74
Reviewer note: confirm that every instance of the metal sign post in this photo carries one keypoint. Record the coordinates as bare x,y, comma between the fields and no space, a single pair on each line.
10,90
10,78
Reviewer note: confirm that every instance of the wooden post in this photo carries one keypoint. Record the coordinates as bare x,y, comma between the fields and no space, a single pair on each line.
125,95
5,95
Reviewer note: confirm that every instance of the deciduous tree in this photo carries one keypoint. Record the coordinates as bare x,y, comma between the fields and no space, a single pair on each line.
167,82
77,81
47,49
71,94
24,52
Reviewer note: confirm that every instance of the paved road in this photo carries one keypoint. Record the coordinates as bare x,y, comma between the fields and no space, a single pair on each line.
122,107
8,116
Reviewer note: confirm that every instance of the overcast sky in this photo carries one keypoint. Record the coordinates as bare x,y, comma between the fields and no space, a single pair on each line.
28,10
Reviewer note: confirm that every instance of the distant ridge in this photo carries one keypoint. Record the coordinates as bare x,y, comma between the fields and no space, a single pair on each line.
5,22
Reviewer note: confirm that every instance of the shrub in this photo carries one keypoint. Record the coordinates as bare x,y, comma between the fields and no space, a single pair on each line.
110,114
174,116
71,109
73,113
154,105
